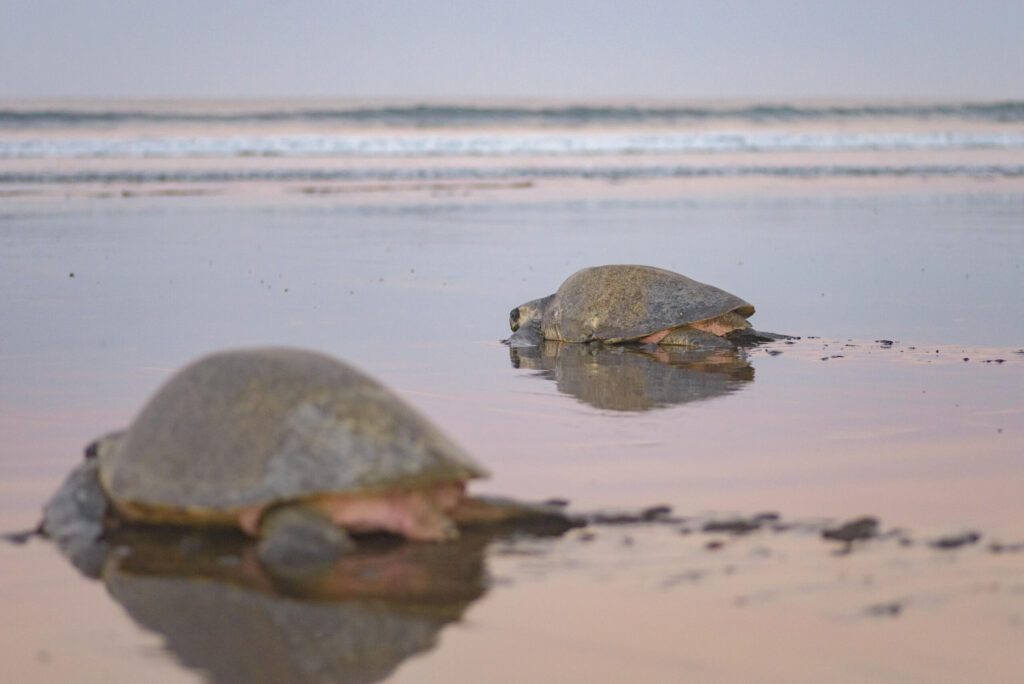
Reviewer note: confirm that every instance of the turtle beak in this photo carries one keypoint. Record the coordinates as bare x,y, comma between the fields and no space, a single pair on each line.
513,319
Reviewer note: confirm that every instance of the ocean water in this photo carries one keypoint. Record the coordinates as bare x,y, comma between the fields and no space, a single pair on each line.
47,143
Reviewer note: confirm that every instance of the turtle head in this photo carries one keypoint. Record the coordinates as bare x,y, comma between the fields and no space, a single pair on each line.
101,447
528,314
525,321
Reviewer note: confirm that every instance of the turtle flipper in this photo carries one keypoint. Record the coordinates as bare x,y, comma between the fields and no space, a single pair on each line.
694,339
498,513
751,337
526,336
295,536
74,518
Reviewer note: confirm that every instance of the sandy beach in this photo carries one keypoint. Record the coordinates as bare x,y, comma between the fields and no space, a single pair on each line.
902,399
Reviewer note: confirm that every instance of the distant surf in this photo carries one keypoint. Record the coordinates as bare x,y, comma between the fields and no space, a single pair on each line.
201,142
558,143
398,174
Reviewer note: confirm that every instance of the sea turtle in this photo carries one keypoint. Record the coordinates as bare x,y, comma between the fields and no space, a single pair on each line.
628,303
288,445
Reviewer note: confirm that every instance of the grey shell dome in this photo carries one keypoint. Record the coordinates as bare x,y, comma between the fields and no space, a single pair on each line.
251,427
626,302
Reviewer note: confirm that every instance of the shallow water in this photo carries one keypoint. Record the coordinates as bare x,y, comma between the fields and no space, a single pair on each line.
104,298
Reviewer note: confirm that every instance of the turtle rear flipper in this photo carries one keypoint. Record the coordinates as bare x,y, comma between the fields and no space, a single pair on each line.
751,337
695,339
501,514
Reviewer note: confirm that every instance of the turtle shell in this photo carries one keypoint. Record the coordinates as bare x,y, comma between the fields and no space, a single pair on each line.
248,428
625,302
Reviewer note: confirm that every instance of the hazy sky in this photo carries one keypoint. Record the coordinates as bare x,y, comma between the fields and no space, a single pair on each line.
510,48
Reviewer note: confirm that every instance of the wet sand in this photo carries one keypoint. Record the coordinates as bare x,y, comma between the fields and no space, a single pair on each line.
106,296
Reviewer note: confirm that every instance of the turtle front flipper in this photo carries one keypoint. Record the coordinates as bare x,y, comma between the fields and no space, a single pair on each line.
75,518
294,536
529,335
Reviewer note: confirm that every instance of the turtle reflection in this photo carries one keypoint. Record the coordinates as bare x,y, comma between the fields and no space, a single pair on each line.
354,620
638,377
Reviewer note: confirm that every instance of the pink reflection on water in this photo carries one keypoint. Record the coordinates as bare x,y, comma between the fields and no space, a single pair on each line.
921,438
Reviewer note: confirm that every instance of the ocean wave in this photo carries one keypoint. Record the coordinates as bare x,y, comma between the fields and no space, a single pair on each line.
424,145
1009,111
399,174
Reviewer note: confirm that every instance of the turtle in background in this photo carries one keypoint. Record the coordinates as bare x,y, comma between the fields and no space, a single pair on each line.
636,304
292,447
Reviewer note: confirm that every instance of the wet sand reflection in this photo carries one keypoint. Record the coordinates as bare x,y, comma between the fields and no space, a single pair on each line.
221,612
636,378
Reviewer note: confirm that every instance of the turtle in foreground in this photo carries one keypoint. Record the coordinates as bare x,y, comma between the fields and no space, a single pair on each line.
640,304
290,446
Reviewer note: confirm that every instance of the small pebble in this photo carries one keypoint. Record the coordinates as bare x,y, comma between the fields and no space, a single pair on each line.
656,512
853,530
998,547
891,609
736,526
955,541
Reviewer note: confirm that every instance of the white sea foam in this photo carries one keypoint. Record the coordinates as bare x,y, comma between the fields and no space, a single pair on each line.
526,172
498,145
